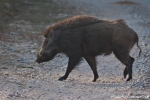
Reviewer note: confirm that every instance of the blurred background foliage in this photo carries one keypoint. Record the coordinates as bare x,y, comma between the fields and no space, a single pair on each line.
34,11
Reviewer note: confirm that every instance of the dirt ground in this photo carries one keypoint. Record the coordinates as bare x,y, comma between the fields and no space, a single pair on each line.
23,24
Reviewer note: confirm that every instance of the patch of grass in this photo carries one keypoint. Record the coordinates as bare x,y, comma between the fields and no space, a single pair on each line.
40,19
35,11
39,11
7,11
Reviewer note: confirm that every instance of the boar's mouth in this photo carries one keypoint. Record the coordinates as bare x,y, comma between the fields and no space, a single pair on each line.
47,57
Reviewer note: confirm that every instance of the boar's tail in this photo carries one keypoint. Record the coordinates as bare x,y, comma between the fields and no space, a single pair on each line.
137,43
140,49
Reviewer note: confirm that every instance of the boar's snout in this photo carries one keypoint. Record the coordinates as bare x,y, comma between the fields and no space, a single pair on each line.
39,58
43,57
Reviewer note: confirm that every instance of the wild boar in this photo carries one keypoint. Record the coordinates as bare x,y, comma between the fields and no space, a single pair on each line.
87,36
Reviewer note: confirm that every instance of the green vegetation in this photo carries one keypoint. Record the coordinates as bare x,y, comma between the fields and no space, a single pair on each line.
34,11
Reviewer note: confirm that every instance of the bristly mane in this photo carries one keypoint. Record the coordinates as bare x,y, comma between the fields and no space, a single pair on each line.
76,21
79,20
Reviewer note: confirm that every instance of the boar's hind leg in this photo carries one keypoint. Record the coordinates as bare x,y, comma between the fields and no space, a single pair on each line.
126,59
73,61
126,69
92,62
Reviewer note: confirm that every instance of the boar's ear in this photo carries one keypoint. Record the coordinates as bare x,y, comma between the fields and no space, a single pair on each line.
49,33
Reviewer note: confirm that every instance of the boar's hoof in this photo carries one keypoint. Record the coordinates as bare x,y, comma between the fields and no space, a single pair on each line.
95,78
62,78
129,79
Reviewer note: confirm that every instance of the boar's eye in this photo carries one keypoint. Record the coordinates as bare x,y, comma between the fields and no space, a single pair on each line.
45,41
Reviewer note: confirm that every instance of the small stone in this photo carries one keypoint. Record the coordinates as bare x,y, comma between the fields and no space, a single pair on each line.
19,59
30,87
148,97
11,95
33,51
144,44
17,94
130,94
12,49
14,33
6,73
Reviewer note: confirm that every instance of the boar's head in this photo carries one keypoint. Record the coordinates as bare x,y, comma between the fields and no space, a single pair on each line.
49,48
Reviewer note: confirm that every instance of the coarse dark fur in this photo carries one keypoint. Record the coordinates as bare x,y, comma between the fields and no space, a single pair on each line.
87,36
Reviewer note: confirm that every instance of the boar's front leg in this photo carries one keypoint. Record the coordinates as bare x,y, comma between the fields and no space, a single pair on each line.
92,62
73,61
125,72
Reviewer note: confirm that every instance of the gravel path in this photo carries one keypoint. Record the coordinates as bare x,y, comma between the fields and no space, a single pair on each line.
23,79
